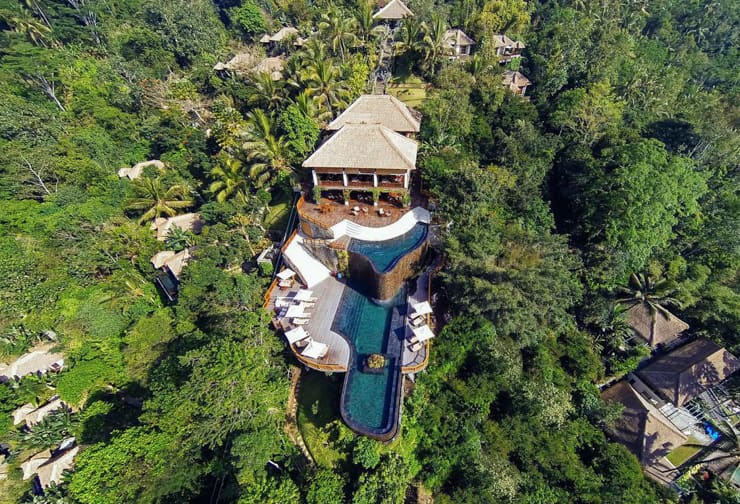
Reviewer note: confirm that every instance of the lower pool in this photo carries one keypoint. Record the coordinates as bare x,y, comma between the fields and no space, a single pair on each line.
384,254
370,401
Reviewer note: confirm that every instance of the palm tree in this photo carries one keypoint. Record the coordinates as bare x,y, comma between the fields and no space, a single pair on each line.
433,43
156,200
179,239
265,149
306,105
36,31
655,295
411,35
326,87
339,31
229,179
364,20
266,92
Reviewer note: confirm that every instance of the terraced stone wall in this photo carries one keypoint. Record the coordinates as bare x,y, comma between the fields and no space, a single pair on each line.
384,285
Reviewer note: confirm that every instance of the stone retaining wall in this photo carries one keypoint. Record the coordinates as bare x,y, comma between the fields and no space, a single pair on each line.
385,285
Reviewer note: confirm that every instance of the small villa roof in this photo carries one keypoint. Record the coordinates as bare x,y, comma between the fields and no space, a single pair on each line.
422,333
457,37
39,414
279,35
19,415
395,9
34,462
186,222
515,80
378,109
135,171
663,331
368,146
160,258
38,360
296,334
686,372
178,262
642,428
501,40
274,66
315,350
51,471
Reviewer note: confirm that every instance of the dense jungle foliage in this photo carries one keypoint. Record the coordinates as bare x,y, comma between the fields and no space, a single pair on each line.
624,161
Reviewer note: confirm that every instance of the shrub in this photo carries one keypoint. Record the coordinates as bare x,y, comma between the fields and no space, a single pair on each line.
248,18
375,361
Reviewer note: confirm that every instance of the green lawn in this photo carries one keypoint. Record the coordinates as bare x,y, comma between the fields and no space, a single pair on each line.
324,391
683,453
411,90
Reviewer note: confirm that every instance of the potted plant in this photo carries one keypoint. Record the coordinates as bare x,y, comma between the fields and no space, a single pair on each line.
376,195
374,363
345,194
406,199
316,193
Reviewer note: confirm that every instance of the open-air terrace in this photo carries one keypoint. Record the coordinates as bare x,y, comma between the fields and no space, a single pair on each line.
332,210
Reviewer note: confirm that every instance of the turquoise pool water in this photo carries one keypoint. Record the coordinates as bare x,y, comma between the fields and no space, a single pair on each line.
384,254
369,400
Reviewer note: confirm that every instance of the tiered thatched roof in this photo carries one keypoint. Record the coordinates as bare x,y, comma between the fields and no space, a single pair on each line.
686,372
515,80
501,40
38,360
365,146
51,471
174,262
135,171
395,9
457,37
186,222
665,330
642,428
378,109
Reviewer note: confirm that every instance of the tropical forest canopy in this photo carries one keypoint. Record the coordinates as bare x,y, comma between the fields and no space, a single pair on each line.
625,161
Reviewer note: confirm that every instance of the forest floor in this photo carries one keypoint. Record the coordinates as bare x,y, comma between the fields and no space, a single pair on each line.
318,406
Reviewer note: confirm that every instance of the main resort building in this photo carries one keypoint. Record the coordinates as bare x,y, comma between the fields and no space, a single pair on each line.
354,297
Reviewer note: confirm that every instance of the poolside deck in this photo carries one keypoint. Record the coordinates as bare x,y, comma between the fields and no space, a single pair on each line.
328,294
412,362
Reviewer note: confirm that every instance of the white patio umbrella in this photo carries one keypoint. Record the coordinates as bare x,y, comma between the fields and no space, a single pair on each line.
286,274
303,295
422,333
296,311
422,308
315,350
296,334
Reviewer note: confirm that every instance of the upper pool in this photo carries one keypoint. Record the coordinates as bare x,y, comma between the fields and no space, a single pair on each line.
384,254
369,401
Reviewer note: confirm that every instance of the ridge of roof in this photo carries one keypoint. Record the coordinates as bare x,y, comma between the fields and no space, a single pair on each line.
346,116
405,11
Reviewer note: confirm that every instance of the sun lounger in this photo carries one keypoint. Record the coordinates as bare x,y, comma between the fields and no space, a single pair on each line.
418,320
301,321
416,346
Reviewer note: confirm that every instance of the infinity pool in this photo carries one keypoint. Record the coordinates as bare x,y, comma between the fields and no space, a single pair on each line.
369,401
384,254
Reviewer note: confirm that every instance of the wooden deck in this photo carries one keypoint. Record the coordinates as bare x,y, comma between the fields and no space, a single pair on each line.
338,211
329,293
412,362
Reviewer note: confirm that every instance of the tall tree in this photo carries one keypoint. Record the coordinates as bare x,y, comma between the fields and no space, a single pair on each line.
339,31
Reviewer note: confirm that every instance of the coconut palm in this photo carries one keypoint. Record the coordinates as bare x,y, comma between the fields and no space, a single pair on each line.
338,31
156,200
266,150
266,92
229,179
306,105
36,31
655,295
410,36
364,20
433,43
325,85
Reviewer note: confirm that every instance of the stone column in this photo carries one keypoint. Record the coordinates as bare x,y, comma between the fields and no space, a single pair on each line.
406,180
315,178
344,179
375,180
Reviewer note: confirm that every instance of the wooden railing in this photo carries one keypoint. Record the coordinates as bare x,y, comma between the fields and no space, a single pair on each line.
317,365
268,294
305,216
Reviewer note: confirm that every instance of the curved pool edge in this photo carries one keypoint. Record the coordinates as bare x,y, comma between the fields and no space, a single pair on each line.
388,432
